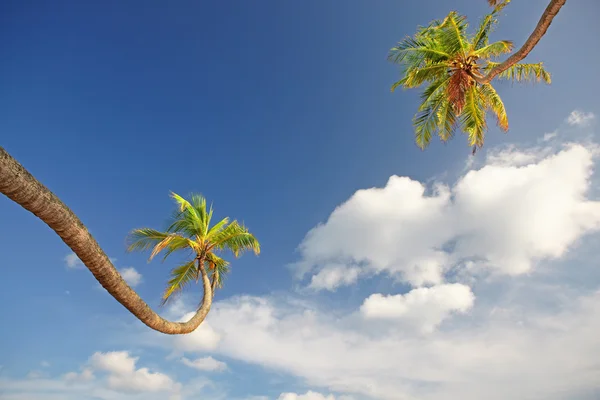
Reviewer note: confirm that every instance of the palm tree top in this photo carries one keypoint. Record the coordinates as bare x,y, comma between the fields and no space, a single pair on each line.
455,65
190,229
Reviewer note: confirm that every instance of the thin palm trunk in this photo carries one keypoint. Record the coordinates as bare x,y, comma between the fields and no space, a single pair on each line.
21,187
539,31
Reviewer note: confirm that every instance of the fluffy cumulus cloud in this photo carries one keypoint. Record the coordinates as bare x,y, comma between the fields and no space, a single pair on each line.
72,261
519,208
131,276
107,376
202,339
205,364
485,259
123,375
428,307
538,355
580,118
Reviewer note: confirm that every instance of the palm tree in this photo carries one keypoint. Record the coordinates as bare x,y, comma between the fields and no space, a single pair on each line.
190,230
456,67
24,189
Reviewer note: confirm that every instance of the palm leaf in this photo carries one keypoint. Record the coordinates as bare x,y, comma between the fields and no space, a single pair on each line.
180,277
235,238
522,72
494,103
144,239
451,35
446,120
473,117
417,76
494,49
426,121
486,25
415,50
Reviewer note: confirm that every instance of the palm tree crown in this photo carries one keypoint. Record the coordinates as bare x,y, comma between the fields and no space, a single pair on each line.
452,63
190,229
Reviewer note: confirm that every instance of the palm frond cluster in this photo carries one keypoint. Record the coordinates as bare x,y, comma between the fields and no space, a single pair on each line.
451,62
190,229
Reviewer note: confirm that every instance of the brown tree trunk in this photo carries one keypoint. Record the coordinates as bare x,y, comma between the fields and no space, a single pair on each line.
21,187
539,31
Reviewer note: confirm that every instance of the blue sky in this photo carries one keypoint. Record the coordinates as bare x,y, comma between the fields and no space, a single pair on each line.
279,112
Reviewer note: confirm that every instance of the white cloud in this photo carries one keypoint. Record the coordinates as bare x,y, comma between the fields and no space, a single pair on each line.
580,118
202,339
310,395
549,136
205,364
106,376
45,364
499,216
72,261
131,276
427,307
85,375
532,353
334,275
123,376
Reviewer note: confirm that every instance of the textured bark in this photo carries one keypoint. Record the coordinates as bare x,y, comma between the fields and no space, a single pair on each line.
539,31
21,187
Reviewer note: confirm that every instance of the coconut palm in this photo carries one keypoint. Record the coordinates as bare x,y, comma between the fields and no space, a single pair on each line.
190,230
24,189
455,66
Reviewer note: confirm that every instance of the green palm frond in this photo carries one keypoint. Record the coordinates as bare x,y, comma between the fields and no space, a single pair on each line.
446,120
188,219
481,37
452,34
144,239
473,117
493,101
415,50
204,215
217,228
180,277
426,119
185,223
494,49
237,239
523,72
415,77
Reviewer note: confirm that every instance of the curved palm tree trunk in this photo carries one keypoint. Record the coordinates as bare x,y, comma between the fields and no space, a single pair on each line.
539,31
21,187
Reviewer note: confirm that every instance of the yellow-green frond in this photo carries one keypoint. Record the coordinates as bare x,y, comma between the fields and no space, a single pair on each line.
494,49
494,103
144,239
523,72
217,228
451,34
235,238
473,117
426,119
415,77
180,277
481,37
172,243
415,51
446,120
